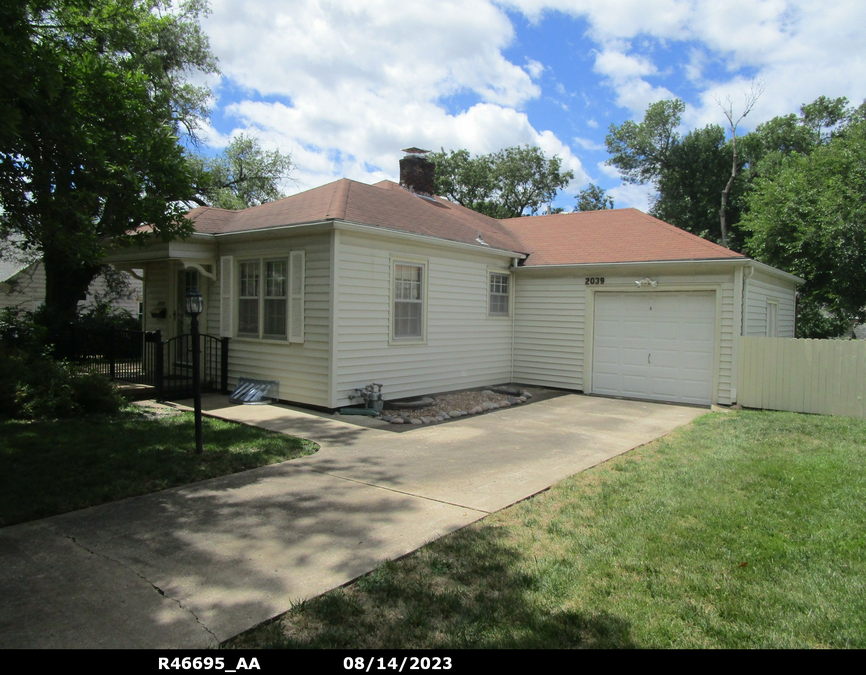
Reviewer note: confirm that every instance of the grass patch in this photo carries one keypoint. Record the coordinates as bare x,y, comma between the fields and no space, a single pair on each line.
740,530
51,467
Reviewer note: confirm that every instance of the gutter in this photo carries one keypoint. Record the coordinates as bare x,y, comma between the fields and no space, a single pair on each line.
652,263
351,226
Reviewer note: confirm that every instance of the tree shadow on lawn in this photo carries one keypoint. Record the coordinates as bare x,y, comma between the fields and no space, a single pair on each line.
470,589
230,553
52,467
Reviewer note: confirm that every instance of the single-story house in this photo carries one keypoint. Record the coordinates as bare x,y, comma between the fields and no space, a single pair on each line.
348,284
22,285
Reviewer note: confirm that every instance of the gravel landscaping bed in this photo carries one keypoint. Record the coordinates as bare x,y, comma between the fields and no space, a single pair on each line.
458,404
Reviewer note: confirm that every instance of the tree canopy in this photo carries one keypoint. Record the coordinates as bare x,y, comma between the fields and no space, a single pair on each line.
809,218
91,120
641,151
796,199
593,198
504,184
243,175
688,172
689,189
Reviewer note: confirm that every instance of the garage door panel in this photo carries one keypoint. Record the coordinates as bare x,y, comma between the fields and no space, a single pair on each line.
654,345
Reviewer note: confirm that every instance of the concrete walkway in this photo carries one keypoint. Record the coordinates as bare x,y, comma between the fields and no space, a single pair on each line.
193,566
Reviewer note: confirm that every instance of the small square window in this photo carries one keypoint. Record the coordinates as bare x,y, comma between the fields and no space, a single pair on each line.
499,294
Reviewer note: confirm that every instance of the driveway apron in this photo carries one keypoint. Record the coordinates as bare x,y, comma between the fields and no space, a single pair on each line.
193,566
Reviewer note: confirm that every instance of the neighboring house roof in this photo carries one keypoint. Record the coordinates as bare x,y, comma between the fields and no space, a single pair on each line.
9,268
384,204
13,259
608,236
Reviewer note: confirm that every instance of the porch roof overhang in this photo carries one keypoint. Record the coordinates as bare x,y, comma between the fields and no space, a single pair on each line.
200,247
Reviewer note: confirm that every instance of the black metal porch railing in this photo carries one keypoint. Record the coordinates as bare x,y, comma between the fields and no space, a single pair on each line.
143,357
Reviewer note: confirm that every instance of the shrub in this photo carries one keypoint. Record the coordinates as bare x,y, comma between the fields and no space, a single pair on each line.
33,387
20,331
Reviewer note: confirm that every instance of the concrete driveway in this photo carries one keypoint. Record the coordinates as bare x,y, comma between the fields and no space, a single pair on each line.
193,566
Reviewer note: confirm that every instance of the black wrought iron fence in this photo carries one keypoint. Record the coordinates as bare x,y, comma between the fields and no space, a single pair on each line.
177,366
128,355
142,357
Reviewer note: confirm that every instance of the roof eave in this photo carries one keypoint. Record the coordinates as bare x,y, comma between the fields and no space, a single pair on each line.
744,261
427,238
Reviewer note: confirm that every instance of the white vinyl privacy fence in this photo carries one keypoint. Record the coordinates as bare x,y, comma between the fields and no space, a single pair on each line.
811,376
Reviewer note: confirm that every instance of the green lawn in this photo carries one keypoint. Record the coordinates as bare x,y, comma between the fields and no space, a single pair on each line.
52,467
740,530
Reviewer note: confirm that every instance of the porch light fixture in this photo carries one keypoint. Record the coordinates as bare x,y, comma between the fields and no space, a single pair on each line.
194,307
194,303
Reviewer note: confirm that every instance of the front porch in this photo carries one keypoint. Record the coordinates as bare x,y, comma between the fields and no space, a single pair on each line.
146,366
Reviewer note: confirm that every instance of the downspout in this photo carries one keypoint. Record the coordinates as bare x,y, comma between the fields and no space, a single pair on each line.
747,274
738,311
513,312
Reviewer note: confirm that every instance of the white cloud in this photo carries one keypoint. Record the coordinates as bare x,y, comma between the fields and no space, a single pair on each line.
626,74
637,196
800,48
346,85
608,170
588,144
534,68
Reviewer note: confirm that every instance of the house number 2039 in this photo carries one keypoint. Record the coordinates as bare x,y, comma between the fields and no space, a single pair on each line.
594,281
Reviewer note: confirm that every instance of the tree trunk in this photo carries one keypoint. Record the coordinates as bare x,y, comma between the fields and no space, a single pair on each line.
723,210
65,284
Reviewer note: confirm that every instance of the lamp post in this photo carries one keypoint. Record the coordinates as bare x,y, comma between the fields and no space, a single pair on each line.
194,306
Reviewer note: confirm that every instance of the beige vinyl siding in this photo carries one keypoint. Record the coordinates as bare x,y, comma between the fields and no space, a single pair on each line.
301,369
549,318
156,276
464,347
27,291
212,318
552,346
727,336
759,289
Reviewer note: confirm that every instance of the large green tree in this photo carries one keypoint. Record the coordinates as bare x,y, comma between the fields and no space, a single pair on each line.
687,172
243,175
809,217
89,139
642,150
593,198
505,184
689,189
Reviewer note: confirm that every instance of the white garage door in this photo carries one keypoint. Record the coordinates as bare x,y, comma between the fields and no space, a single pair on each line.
657,346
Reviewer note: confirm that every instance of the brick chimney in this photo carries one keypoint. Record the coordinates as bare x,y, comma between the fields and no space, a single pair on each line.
417,173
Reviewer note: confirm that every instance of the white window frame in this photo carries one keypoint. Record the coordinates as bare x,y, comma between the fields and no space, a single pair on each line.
491,294
262,296
257,297
397,261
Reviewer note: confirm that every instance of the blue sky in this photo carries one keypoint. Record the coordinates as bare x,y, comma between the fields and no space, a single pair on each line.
344,86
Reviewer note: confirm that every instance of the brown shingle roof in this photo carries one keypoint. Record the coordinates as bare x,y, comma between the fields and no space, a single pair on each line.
384,204
608,236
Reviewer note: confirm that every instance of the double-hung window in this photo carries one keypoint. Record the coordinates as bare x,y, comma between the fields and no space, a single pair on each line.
248,298
499,303
263,298
408,322
276,298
